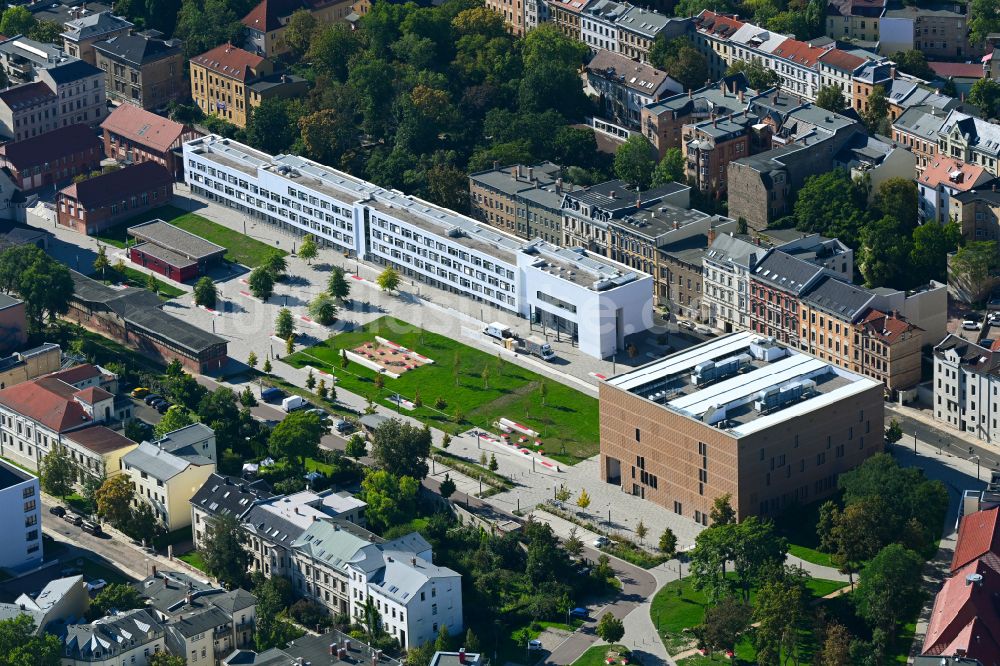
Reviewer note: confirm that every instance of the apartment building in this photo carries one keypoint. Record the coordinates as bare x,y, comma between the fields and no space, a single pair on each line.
681,274
942,181
129,637
321,554
220,80
514,13
977,211
625,87
52,158
536,12
522,200
918,129
20,518
142,69
265,24
21,58
798,65
777,284
220,495
710,145
595,300
970,139
599,25
966,386
565,14
133,135
80,89
887,348
840,68
726,267
168,471
741,415
875,161
84,32
28,110
855,20
97,451
940,32
61,601
95,204
639,27
873,73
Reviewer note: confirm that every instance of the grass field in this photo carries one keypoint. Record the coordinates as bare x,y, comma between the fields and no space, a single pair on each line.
194,559
135,278
594,656
566,418
240,249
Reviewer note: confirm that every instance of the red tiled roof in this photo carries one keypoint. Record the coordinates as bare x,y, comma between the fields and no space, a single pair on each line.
267,15
50,146
964,70
798,52
842,60
92,394
77,373
100,440
116,185
888,327
720,23
938,173
48,401
977,535
143,127
965,617
229,61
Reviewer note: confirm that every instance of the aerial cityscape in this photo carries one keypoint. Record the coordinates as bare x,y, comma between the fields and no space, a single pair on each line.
499,332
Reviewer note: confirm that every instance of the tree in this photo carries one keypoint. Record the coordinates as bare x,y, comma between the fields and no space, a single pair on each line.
91,484
272,127
337,286
758,76
261,283
897,197
447,488
115,597
610,628
284,324
247,398
323,309
893,432
563,493
205,292
493,463
331,48
583,501
722,512
308,250
573,544
401,448
856,535
344,361
299,32
223,552
391,499
680,59
290,344
972,266
164,658
890,587
101,262
276,264
273,596
266,368
932,242
152,283
252,359
914,63
836,649
831,204
752,547
58,472
175,418
42,283
668,543
778,612
310,380
114,500
322,391
445,441
388,280
724,624
20,645
831,98
16,20
296,437
634,162
984,18
641,530
355,447
985,94
670,169
876,116
885,246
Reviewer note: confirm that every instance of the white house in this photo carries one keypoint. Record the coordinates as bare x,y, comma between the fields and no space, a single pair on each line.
599,25
726,278
966,387
130,637
20,518
943,179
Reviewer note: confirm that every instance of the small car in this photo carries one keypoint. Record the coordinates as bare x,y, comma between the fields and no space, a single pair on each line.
534,644
601,542
684,323
73,518
579,612
343,426
140,392
151,398
162,407
57,511
97,585
321,413
92,528
970,325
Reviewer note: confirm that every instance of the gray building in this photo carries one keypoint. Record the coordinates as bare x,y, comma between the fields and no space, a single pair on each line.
726,265
142,69
129,637
83,32
522,200
639,27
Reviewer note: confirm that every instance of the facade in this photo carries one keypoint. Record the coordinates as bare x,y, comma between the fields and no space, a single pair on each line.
681,274
978,213
28,110
93,205
80,89
625,86
522,200
599,25
840,68
565,14
134,318
710,145
20,518
171,251
82,33
28,364
142,69
856,20
13,324
639,27
777,285
133,135
941,182
265,24
21,58
939,32
726,268
965,379
917,129
890,350
52,158
97,452
130,636
514,14
970,139
596,301
220,81
62,600
875,161
167,472
741,415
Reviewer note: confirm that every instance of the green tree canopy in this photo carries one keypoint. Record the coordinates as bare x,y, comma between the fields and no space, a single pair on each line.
223,552
890,587
114,500
914,63
297,437
337,285
116,596
401,448
679,58
388,279
42,283
284,324
20,646
261,283
58,472
831,98
391,499
175,418
634,162
985,94
972,267
670,169
758,76
205,292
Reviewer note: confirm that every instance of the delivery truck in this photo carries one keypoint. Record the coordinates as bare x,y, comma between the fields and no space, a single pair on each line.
293,402
536,347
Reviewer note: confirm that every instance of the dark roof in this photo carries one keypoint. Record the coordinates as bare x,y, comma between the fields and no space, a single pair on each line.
624,198
27,94
118,185
163,325
138,49
272,527
782,270
175,239
221,495
100,440
200,621
842,300
71,71
51,146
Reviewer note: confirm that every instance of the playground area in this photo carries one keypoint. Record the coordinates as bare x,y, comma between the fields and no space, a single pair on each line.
386,357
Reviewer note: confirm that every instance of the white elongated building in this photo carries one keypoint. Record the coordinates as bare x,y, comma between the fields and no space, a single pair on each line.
590,298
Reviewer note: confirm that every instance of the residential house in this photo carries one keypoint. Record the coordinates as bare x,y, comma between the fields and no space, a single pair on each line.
134,317
142,69
854,20
871,74
20,518
680,272
82,33
514,13
28,110
93,205
712,34
889,349
565,14
625,86
830,253
522,200
80,89
13,323
220,80
639,27
223,495
977,211
726,267
167,472
874,160
944,179
970,139
21,58
202,622
333,648
536,12
277,85
265,24
918,129
97,452
52,158
710,145
777,284
798,65
129,637
905,92
599,25
322,555
939,32
133,135
840,68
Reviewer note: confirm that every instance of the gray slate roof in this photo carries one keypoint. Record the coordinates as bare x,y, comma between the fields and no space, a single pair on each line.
222,495
188,437
728,248
783,271
330,543
200,621
95,25
138,49
160,464
921,121
111,635
982,135
842,300
72,71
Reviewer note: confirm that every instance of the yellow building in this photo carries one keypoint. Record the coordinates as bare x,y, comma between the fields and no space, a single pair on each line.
220,80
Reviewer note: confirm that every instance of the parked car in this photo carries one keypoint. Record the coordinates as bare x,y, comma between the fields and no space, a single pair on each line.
704,330
73,518
162,407
579,612
970,325
151,398
343,427
271,394
97,585
321,413
601,542
91,527
140,392
534,644
684,323
57,511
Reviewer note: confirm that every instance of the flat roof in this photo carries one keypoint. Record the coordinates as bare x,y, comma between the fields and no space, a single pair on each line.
168,257
175,239
765,384
12,476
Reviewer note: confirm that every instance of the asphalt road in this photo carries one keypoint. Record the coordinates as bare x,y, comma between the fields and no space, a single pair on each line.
932,438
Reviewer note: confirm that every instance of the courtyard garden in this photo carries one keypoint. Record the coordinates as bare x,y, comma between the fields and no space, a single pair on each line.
462,388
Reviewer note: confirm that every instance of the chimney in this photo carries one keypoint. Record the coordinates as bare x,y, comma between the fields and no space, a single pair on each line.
740,94
559,186
154,571
690,93
722,86
711,235
513,172
496,164
677,225
461,655
613,194
188,598
413,561
333,648
531,174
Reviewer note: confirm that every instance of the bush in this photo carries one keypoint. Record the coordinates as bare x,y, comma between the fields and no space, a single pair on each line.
310,614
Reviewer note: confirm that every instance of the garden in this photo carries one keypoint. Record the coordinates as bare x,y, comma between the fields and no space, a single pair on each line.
462,388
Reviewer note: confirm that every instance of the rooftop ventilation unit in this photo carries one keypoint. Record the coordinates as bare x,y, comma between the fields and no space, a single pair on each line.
767,349
711,371
774,398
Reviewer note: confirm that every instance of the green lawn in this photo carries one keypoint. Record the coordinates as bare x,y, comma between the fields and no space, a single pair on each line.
194,559
240,249
567,421
594,656
798,525
136,278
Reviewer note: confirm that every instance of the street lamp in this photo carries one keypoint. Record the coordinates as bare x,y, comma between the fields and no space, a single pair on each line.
977,466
